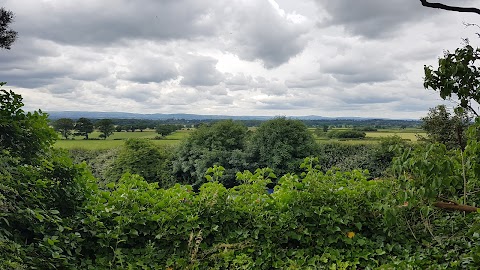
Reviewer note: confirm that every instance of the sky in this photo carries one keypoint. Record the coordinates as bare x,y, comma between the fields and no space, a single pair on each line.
339,58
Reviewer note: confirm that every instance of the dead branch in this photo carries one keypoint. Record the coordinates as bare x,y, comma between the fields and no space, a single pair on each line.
456,207
425,3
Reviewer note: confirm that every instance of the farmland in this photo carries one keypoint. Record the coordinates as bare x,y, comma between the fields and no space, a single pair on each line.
116,140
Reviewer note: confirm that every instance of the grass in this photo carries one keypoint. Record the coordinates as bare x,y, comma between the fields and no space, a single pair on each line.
372,137
116,140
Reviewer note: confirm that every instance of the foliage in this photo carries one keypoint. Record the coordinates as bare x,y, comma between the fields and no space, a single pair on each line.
99,161
280,144
346,134
26,135
219,144
84,126
442,127
144,158
106,127
456,75
165,130
7,35
368,128
65,126
374,158
41,193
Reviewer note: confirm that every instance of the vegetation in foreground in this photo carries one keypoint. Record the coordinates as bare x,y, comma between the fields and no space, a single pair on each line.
56,215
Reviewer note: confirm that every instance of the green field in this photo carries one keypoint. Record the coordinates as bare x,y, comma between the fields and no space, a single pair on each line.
408,134
116,140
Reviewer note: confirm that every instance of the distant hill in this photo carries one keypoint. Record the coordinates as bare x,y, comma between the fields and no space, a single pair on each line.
53,115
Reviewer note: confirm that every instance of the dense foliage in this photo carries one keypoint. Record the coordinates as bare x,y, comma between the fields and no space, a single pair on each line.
280,144
25,135
221,143
346,134
55,215
446,128
142,157
457,75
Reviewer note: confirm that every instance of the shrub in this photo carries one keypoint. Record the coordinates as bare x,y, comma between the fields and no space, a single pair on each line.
346,134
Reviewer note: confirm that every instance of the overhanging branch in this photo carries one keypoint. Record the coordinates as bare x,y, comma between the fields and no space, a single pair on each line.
425,3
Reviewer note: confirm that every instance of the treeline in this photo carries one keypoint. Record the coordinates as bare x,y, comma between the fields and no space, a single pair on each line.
84,126
332,123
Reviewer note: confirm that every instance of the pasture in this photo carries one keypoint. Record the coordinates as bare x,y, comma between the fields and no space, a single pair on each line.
372,137
116,140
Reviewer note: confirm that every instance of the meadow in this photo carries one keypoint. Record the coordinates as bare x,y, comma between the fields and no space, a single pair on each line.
116,140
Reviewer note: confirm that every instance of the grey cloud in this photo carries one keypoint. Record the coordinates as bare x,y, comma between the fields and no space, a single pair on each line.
147,70
373,18
310,81
103,22
260,32
362,67
201,71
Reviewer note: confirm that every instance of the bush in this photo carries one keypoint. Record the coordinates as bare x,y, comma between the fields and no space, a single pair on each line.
280,144
142,157
346,134
219,144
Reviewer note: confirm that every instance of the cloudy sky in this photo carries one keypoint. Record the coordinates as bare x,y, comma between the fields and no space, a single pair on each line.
232,57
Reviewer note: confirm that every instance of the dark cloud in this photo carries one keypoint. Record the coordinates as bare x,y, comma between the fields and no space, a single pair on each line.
373,18
107,22
157,70
200,71
260,32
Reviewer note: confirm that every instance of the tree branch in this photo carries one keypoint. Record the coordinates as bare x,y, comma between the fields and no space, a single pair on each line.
449,8
456,207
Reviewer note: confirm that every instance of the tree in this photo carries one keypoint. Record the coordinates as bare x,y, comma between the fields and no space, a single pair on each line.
41,192
65,126
445,128
281,144
7,35
84,126
425,3
23,134
142,157
456,75
219,144
165,130
106,127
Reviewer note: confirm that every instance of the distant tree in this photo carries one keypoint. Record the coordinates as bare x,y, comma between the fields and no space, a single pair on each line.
281,144
84,126
106,128
165,130
142,126
325,128
443,127
346,134
7,35
64,126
